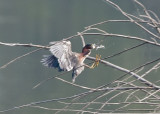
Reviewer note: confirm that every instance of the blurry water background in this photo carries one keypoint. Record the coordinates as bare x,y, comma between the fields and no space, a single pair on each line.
43,21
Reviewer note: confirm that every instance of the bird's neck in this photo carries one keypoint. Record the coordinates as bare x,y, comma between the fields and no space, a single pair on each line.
85,52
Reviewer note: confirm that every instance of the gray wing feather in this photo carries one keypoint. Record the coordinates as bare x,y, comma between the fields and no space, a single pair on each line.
62,51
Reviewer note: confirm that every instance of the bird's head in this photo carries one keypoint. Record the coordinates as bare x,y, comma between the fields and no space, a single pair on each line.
89,46
87,49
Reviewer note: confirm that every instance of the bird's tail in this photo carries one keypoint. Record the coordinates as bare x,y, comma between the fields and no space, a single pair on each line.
50,61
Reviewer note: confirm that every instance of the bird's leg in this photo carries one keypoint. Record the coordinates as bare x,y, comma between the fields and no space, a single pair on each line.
96,63
98,57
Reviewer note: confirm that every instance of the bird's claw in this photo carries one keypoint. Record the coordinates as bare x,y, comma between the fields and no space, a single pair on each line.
96,63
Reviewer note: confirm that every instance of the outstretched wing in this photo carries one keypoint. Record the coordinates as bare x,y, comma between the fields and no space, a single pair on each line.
62,51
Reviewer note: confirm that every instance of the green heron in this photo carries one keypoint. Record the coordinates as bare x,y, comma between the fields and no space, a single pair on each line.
65,60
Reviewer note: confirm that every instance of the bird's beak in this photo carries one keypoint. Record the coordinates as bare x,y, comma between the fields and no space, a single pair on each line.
93,46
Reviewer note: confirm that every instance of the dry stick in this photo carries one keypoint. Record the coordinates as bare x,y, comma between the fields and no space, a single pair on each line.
124,36
75,99
127,110
132,94
45,108
147,72
53,109
153,68
146,12
122,83
125,104
97,97
25,45
120,108
105,103
119,35
100,96
155,15
52,77
4,66
151,94
124,111
109,100
139,20
107,21
76,85
74,96
110,103
126,15
125,50
105,89
45,101
82,38
113,89
149,23
130,72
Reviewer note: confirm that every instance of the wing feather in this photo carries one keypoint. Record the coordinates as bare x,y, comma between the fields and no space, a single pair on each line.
62,51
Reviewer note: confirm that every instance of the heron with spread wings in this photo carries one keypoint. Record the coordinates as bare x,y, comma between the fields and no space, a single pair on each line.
65,60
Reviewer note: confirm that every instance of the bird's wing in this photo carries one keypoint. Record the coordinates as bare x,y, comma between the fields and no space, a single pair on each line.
62,51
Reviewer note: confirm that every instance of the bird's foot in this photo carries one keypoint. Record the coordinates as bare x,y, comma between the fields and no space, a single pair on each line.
96,63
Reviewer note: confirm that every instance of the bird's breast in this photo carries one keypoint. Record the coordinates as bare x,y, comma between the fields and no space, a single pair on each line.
81,58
